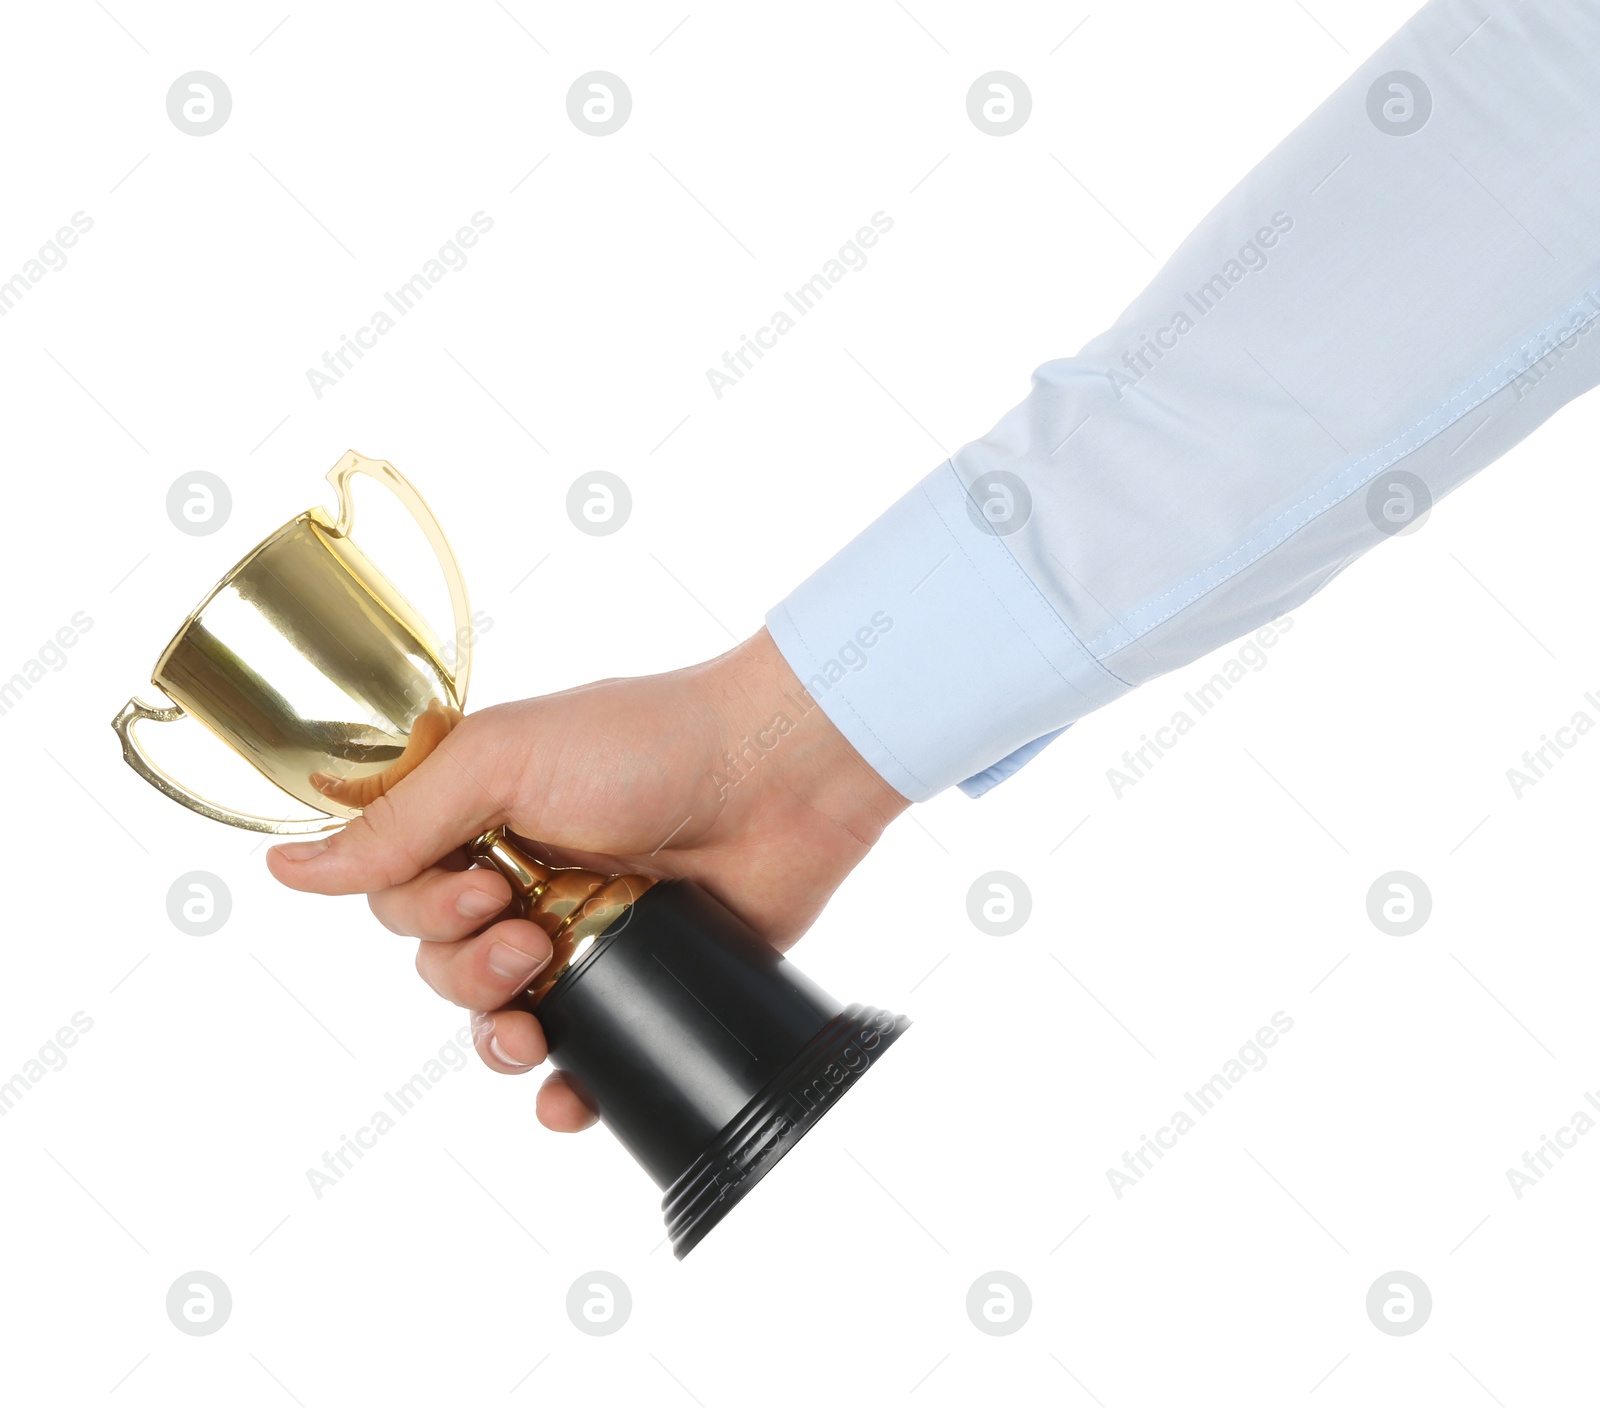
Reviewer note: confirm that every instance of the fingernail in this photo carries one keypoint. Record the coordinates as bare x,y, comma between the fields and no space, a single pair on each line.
303,850
499,1053
507,962
478,904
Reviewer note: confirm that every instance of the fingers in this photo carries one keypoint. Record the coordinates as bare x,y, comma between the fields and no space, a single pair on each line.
512,1043
439,806
442,905
485,972
561,1108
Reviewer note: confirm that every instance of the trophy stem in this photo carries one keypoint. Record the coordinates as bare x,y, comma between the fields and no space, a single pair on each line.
528,877
572,905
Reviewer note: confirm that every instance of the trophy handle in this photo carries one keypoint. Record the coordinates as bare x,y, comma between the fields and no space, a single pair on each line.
385,473
163,782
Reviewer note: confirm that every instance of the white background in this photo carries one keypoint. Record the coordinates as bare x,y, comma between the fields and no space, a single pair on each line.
1228,885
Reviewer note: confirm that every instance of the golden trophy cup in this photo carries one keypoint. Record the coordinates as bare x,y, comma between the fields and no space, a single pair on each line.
704,1051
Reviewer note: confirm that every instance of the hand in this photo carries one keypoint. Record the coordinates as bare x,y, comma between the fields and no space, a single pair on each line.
725,772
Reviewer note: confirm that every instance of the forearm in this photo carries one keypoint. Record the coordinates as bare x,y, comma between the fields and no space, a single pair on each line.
1378,298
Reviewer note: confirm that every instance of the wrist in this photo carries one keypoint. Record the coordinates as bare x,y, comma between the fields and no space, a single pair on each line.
774,732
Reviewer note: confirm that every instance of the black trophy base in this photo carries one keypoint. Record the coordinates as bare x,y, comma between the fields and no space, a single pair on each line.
705,1052
772,1124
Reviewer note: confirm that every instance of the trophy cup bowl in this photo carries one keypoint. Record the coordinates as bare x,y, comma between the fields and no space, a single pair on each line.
704,1051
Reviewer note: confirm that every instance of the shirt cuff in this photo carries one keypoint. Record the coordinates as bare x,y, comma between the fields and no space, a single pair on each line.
931,650
979,783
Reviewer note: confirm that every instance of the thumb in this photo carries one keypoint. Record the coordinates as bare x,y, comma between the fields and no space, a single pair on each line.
444,802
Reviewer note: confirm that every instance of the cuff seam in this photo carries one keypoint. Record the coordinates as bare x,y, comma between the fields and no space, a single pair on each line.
1028,585
1500,375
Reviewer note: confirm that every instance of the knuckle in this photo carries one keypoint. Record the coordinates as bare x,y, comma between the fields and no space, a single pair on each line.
379,821
441,970
380,831
478,746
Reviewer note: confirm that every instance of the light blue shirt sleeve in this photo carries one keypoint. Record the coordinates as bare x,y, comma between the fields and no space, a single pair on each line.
1397,295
